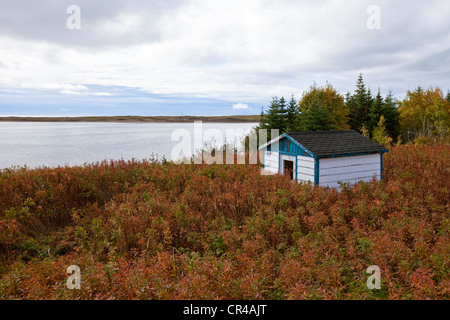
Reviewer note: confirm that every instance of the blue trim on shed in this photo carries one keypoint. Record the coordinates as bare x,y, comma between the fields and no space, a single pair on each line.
299,149
381,165
306,152
316,171
279,162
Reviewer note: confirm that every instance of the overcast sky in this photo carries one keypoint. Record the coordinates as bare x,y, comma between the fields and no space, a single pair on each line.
199,57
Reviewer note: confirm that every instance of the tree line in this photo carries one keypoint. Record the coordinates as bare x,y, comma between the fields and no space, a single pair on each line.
385,119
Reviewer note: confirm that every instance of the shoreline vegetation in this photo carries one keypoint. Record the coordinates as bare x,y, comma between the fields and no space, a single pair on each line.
135,119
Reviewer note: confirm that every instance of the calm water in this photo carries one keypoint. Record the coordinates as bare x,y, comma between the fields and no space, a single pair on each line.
54,144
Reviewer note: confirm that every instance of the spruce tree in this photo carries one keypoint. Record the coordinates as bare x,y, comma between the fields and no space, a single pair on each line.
282,115
359,105
392,116
270,115
317,118
376,111
275,117
292,115
262,120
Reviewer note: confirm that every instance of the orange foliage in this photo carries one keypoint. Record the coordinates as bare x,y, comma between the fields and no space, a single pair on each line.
142,230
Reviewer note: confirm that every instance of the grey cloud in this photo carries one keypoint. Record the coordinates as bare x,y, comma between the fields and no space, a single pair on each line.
45,20
395,57
435,61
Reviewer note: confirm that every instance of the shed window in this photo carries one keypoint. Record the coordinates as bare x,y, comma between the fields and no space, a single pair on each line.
288,146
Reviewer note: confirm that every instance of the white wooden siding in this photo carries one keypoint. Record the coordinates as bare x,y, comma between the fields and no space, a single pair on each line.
305,169
349,161
271,161
348,169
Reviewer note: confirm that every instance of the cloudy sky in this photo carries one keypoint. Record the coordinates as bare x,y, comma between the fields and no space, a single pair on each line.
221,57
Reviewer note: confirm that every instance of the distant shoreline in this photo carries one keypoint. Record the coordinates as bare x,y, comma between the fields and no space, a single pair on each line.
136,119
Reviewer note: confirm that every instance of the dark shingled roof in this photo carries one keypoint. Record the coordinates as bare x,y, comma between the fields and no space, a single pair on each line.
336,142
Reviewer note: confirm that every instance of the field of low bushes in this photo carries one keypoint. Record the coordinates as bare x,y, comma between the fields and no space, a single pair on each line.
151,230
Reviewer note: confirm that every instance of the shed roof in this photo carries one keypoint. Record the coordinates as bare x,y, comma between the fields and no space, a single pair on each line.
336,142
329,143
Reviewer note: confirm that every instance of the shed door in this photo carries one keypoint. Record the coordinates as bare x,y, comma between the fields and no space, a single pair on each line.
288,165
288,168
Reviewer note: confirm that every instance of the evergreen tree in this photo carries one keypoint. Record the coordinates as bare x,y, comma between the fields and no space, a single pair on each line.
392,116
448,96
359,105
275,117
317,118
347,98
282,115
292,115
376,111
262,120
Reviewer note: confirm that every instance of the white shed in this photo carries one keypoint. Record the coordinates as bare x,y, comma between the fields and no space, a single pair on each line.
325,158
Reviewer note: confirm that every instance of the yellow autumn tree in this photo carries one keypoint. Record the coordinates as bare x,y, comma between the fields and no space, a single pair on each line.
328,98
365,132
379,133
424,113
